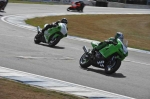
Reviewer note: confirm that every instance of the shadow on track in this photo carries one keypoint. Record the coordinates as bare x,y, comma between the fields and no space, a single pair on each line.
56,47
99,71
74,11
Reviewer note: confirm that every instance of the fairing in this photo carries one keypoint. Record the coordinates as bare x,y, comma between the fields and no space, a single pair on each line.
120,49
61,28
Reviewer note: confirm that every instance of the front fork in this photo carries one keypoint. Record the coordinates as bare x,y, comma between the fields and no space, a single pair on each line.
89,53
93,59
85,49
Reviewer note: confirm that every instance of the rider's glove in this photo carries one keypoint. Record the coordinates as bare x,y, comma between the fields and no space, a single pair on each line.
107,41
54,25
110,42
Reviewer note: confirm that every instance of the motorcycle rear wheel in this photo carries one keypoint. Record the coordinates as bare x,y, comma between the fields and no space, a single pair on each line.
36,40
112,68
84,61
68,9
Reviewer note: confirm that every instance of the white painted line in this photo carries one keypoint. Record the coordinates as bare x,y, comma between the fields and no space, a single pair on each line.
5,74
70,89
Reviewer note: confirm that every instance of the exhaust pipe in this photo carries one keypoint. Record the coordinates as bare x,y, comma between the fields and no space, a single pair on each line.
38,29
85,49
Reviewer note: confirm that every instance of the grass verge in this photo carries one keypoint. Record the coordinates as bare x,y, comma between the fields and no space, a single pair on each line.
136,28
14,90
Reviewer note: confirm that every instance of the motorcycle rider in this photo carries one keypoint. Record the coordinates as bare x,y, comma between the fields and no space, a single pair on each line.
111,40
81,5
5,2
2,5
54,24
78,5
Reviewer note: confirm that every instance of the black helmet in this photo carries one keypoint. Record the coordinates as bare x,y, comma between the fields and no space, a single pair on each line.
64,20
119,35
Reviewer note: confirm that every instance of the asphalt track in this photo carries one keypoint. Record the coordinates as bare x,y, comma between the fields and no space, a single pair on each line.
62,62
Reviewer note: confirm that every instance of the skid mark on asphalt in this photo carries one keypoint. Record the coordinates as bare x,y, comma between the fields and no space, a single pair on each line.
15,36
30,57
34,57
65,58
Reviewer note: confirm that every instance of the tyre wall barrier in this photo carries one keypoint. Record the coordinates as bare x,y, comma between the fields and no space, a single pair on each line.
122,5
98,4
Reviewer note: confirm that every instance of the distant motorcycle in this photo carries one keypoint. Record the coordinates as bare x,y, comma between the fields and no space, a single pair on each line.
53,35
3,4
76,6
108,58
72,8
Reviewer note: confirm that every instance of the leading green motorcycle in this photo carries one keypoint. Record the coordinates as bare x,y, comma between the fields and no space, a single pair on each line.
109,58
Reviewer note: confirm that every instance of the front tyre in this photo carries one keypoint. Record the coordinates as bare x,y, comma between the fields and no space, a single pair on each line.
112,66
53,41
84,61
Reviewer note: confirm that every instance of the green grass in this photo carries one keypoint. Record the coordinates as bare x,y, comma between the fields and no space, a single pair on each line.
136,28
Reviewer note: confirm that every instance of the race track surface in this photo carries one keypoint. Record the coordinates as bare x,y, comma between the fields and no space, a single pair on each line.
18,51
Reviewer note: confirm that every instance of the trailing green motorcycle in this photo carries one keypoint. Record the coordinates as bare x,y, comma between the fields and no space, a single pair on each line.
109,58
53,35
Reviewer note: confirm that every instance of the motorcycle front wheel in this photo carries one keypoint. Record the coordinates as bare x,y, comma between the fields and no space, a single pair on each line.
84,61
112,66
53,41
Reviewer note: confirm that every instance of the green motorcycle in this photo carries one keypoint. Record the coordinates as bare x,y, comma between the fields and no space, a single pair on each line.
109,58
53,35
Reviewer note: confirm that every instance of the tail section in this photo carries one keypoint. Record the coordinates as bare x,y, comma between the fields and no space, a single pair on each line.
38,29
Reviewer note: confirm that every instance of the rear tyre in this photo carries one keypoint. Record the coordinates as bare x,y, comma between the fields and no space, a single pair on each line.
112,66
84,61
36,40
68,9
53,41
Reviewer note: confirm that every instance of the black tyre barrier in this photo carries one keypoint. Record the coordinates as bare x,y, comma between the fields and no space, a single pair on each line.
101,4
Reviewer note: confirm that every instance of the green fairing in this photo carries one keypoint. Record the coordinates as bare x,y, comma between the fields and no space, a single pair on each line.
52,31
111,49
97,46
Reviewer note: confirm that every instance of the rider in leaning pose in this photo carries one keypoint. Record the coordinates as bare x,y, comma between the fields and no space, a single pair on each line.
111,40
54,24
